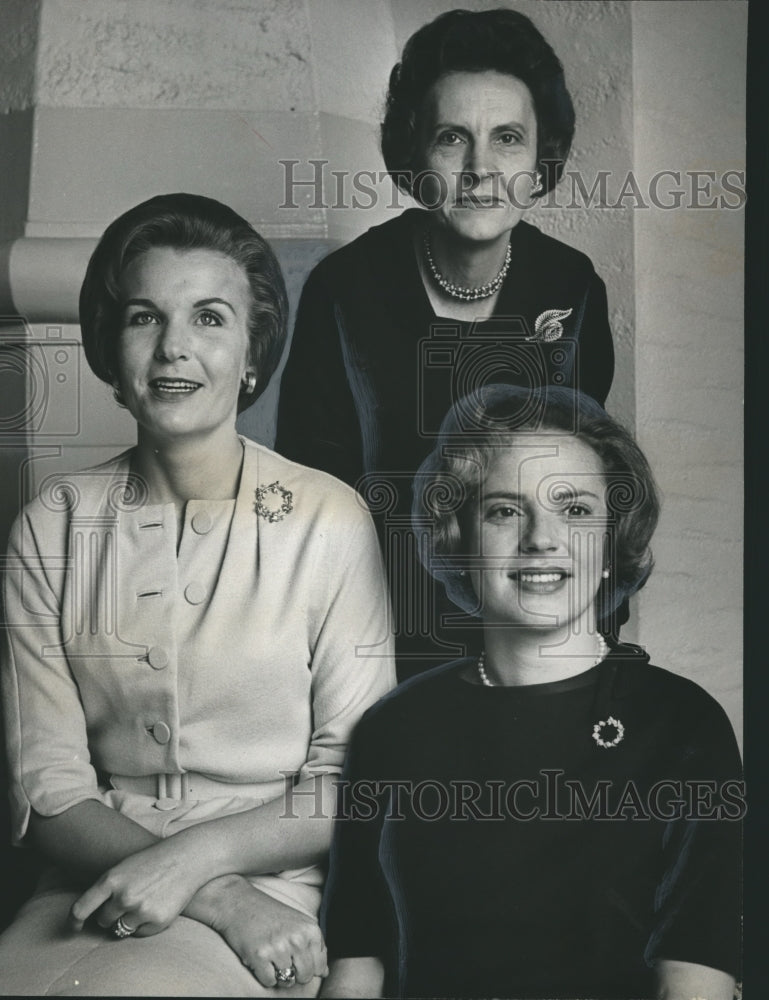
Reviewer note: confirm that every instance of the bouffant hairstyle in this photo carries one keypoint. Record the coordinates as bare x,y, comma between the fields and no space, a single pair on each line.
449,480
183,222
467,41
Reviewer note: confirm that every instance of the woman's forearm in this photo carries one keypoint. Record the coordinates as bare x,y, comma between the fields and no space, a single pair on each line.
153,881
292,831
89,837
289,832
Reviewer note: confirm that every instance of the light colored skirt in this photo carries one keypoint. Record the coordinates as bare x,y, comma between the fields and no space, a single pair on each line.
40,956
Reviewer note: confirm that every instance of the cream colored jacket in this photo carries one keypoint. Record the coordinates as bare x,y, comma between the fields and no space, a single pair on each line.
246,658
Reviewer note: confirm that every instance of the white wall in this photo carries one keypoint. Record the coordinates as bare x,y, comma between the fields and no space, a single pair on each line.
689,110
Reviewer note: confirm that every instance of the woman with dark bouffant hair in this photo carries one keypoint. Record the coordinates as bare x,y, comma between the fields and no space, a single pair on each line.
460,291
182,664
554,817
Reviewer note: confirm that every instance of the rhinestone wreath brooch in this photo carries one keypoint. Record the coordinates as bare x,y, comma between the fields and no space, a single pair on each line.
270,512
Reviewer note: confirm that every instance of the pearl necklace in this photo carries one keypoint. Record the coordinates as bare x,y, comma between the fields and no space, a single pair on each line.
459,291
603,651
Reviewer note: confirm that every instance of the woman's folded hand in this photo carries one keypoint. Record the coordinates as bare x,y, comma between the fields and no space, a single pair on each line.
148,890
265,934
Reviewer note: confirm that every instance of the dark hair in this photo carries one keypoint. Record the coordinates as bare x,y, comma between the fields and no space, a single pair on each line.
467,41
183,222
452,474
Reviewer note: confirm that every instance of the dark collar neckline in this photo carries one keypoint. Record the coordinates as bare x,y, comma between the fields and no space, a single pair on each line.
602,677
584,679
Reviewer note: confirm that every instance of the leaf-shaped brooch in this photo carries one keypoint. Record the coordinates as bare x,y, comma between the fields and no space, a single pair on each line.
272,513
548,325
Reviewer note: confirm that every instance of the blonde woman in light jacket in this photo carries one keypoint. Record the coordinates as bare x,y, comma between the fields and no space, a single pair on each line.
194,629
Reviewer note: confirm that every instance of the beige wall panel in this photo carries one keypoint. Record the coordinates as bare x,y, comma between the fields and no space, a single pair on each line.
689,84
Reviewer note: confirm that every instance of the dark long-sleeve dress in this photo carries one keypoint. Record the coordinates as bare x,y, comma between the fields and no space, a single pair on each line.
492,848
372,371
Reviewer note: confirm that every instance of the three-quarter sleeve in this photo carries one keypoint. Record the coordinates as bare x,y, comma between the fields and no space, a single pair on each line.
357,914
595,369
45,727
698,898
318,424
352,660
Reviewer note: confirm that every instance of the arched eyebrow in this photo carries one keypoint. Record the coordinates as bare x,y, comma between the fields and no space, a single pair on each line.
457,126
148,303
568,491
214,301
200,304
502,495
563,491
510,127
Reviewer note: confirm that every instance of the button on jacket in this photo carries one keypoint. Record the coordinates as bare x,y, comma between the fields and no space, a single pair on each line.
246,658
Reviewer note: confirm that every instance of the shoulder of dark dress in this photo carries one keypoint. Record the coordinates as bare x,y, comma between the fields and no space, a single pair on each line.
637,676
413,695
375,249
536,245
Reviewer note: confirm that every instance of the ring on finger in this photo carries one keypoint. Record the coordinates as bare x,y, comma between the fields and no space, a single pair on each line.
285,977
122,930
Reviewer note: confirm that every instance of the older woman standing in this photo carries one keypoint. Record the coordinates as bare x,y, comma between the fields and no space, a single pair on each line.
184,655
408,318
555,817
478,126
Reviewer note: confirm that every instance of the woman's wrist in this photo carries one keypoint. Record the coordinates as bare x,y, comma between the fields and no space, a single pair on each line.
214,899
199,853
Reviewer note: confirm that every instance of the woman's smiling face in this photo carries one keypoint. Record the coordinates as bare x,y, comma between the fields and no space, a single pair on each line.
183,344
478,149
536,536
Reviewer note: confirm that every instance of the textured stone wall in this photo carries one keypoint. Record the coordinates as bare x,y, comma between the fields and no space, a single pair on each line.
689,99
18,51
204,54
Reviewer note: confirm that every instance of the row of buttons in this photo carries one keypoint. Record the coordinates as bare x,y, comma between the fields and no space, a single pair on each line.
194,593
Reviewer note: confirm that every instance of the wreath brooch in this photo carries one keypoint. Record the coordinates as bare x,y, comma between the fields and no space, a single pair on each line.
599,727
271,513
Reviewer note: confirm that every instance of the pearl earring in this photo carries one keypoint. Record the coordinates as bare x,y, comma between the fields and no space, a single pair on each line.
606,573
249,383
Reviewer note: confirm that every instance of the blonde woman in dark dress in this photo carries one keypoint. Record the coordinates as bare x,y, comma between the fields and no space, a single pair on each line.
554,817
